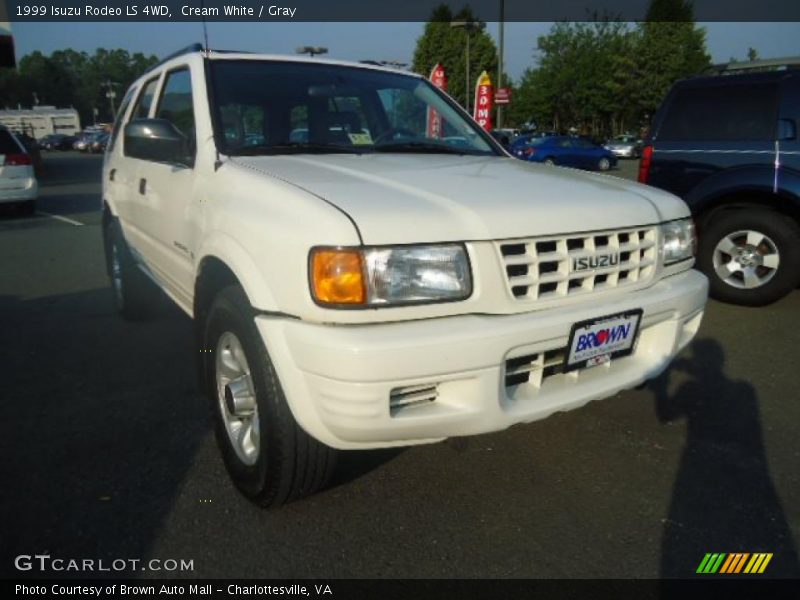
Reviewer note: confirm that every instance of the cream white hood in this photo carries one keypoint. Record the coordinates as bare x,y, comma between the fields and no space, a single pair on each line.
418,198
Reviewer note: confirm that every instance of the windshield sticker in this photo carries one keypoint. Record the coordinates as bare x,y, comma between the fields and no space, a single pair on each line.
360,139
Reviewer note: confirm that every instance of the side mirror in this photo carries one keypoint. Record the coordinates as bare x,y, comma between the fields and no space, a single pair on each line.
787,129
156,140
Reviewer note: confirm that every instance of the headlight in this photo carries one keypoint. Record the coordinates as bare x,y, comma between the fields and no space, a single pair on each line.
389,276
678,241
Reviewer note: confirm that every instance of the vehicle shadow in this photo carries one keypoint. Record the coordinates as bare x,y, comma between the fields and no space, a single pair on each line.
352,465
723,499
100,422
104,431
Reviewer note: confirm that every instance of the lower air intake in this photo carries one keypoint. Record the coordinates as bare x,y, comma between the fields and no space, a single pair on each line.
412,395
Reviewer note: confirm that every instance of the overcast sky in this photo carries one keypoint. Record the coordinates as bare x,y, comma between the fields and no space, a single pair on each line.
357,41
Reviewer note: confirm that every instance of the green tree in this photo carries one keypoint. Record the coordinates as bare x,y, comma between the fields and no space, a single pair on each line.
68,78
582,80
441,43
670,47
604,77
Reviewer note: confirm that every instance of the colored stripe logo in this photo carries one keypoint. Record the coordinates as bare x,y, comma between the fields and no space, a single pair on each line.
734,563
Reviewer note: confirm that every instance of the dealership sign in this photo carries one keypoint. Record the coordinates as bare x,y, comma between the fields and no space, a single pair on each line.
439,79
502,95
484,96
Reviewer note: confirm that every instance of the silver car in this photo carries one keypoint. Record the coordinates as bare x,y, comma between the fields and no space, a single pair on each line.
625,146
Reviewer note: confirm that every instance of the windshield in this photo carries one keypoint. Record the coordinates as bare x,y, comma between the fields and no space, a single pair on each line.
286,107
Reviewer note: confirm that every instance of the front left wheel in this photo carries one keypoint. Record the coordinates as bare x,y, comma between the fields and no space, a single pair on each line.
604,164
269,457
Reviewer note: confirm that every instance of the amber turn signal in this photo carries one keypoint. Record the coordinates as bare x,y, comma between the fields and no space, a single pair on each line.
337,276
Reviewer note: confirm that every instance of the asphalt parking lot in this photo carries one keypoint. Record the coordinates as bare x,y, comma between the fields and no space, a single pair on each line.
108,451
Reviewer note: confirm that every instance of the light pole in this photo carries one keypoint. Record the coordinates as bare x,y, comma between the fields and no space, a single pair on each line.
111,94
311,50
500,63
469,27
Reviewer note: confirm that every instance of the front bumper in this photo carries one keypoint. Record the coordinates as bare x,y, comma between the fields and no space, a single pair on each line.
338,380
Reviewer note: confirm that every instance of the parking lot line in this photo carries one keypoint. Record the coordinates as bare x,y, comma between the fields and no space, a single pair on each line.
60,218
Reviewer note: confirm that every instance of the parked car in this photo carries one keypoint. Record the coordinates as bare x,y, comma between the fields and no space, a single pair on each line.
728,145
81,142
18,185
87,140
502,138
369,286
509,132
565,151
57,141
98,142
625,146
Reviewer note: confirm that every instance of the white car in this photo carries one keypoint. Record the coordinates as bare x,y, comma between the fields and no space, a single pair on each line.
18,183
375,284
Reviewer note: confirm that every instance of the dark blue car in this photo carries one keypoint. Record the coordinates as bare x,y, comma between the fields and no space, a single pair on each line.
564,150
728,144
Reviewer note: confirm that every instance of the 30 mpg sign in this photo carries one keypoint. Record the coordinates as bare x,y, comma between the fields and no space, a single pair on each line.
484,96
439,79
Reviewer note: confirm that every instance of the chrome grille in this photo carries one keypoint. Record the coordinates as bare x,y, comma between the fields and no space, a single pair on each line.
542,268
534,368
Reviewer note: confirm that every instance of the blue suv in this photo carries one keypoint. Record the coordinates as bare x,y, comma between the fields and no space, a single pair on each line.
727,144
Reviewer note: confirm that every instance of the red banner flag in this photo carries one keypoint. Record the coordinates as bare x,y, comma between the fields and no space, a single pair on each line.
439,79
484,98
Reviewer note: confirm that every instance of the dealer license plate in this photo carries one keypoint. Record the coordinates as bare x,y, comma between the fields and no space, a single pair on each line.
597,341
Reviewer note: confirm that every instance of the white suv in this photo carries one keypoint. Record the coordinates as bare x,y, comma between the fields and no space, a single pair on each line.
367,268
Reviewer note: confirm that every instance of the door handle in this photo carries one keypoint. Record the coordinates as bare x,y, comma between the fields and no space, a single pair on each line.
142,185
111,174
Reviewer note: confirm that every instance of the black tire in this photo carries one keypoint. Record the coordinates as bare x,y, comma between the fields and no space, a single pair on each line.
549,161
134,294
604,164
780,230
289,464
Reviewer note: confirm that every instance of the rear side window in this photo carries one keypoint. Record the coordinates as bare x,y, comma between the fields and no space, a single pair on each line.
145,101
7,143
722,113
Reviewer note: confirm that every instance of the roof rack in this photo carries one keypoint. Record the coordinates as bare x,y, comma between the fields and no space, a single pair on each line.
770,64
197,47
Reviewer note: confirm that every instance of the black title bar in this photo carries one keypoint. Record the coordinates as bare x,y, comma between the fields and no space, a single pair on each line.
382,10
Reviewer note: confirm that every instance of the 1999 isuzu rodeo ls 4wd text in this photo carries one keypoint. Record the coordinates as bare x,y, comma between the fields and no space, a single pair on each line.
360,279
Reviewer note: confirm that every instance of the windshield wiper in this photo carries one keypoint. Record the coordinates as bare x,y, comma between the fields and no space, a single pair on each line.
293,148
422,148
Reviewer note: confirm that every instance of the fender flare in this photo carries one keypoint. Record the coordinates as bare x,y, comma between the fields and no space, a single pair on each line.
225,248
